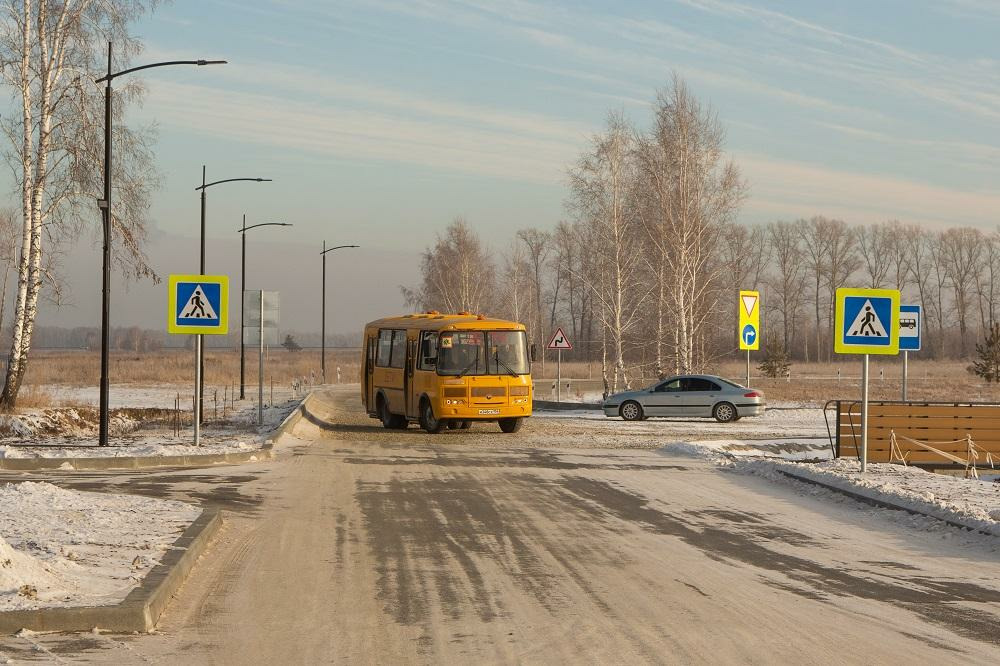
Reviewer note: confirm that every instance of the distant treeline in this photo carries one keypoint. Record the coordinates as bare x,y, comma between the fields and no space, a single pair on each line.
136,339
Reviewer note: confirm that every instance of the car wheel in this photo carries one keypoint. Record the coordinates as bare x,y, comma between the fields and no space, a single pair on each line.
512,424
724,412
428,421
631,411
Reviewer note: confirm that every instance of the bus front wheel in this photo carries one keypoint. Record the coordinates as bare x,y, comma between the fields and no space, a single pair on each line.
428,421
512,424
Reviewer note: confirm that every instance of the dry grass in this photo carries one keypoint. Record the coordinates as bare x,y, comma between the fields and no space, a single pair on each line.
34,397
222,367
813,382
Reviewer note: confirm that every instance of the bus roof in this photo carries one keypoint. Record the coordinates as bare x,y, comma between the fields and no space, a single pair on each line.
435,321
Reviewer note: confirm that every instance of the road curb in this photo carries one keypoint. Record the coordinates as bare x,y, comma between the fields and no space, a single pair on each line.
265,452
883,504
141,609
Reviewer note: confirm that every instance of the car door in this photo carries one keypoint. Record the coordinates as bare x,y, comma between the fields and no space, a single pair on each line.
700,395
664,399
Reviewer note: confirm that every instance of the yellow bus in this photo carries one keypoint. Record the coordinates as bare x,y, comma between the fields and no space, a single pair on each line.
446,370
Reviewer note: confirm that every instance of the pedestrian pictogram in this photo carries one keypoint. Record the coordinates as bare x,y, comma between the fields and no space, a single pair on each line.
559,340
198,304
867,321
749,324
909,327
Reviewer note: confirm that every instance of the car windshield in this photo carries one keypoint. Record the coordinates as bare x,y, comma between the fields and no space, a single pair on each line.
482,353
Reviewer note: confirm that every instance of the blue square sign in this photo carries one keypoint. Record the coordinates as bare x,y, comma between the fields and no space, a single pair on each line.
866,321
198,304
910,325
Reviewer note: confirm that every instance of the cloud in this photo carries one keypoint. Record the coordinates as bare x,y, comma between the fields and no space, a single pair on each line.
795,189
363,134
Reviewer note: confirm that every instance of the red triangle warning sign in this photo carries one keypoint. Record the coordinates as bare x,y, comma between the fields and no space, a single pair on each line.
559,340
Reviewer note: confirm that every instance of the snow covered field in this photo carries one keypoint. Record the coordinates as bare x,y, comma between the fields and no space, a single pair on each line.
63,434
71,548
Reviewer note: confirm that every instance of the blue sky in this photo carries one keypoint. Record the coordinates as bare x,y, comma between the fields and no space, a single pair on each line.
380,121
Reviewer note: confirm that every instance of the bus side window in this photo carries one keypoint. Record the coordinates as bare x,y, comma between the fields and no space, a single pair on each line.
428,350
384,348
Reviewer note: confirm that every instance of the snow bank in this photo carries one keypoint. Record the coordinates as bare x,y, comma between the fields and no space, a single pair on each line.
70,548
971,502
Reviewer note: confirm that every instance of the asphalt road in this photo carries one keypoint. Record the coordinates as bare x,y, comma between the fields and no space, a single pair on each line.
347,550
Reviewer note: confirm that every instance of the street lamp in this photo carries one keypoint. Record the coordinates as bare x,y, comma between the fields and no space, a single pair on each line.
243,288
322,357
105,205
199,344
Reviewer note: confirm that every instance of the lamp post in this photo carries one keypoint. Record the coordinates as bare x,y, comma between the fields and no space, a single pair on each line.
322,361
199,343
243,288
104,204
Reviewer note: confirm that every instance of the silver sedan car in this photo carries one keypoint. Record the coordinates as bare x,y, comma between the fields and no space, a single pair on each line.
687,395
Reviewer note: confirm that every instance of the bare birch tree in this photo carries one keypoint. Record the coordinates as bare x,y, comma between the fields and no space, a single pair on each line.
788,280
51,52
961,251
457,274
693,191
601,196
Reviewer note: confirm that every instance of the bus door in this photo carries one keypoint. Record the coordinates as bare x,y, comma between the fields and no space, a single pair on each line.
369,372
408,392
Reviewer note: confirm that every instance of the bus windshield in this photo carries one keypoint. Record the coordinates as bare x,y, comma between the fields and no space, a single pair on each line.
482,353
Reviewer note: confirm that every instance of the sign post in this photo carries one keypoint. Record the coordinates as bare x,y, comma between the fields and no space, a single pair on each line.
749,326
263,310
559,341
198,305
910,325
866,322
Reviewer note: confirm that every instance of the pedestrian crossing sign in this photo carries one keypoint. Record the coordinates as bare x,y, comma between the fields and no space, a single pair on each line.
867,321
198,304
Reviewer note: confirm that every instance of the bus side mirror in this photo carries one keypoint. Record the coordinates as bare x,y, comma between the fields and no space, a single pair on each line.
534,353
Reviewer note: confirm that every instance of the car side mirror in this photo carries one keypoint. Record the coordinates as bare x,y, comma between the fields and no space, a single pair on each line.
534,353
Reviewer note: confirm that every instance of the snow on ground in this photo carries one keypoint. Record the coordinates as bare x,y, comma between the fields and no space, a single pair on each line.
71,548
971,502
76,440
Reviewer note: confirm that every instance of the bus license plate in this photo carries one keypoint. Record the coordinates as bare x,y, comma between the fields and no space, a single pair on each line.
489,411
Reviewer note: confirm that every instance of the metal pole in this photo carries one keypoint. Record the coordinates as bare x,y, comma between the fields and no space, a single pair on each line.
559,375
864,415
201,347
102,438
197,393
260,370
322,354
906,370
243,293
748,368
